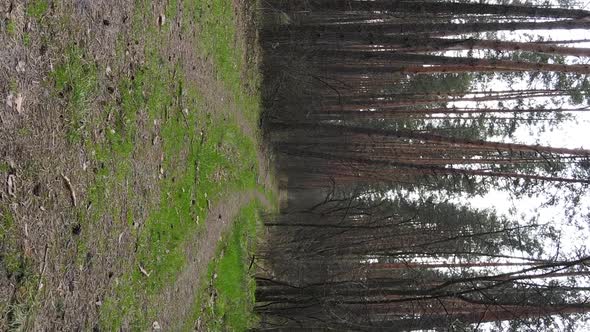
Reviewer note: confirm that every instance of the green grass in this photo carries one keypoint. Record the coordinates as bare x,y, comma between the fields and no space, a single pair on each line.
217,40
76,82
13,86
232,281
189,164
11,28
27,39
37,8
10,256
15,312
4,167
171,10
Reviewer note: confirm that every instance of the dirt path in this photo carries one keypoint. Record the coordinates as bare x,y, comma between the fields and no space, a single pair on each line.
176,301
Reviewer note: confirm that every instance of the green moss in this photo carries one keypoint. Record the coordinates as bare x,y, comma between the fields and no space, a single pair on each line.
235,287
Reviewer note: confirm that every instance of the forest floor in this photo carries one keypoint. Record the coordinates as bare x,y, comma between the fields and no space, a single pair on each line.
132,174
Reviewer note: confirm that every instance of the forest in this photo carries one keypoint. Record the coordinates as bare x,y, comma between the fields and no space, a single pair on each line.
432,157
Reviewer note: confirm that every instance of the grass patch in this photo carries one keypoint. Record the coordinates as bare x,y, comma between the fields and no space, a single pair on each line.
4,166
217,40
27,39
76,81
190,163
226,297
171,10
11,28
10,256
16,310
37,8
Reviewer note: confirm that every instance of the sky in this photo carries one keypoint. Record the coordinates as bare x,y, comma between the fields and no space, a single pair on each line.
573,133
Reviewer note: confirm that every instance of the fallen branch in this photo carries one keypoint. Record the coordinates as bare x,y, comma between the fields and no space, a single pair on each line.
40,283
71,189
11,183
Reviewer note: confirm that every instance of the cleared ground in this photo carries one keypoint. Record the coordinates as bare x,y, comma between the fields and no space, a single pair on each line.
131,174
